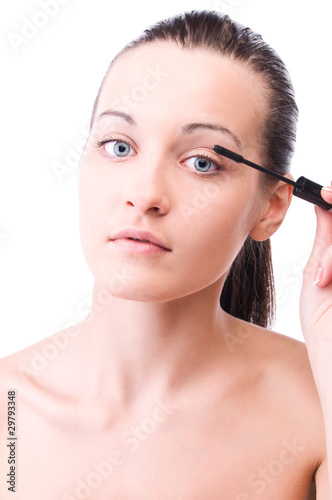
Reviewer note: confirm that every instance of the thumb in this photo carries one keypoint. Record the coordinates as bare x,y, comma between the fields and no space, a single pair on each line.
319,266
326,193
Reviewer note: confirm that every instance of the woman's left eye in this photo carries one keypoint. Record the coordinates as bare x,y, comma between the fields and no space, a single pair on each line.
117,148
201,164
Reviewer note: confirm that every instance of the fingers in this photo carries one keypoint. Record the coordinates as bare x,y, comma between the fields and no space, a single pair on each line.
323,273
321,258
326,193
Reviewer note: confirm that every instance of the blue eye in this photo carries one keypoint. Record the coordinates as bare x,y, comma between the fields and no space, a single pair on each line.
202,164
117,148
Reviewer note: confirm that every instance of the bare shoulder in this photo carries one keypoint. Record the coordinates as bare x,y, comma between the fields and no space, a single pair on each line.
284,359
14,367
287,383
28,372
42,363
288,366
13,371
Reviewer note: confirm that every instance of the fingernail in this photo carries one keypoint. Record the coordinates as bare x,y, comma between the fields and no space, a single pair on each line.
328,188
318,275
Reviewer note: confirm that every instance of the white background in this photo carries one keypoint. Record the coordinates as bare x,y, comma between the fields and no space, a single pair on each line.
48,86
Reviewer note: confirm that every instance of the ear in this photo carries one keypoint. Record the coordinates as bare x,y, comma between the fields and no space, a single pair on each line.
273,211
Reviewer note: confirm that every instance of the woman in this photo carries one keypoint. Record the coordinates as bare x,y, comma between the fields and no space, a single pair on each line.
160,392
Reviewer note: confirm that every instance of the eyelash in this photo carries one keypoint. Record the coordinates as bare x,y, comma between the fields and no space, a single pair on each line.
100,144
221,168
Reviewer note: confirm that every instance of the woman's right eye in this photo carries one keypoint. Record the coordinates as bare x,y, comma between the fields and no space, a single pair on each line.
117,148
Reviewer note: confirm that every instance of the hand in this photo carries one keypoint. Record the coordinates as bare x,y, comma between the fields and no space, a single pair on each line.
316,294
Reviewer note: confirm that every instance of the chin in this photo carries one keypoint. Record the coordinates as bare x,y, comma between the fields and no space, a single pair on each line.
125,283
141,294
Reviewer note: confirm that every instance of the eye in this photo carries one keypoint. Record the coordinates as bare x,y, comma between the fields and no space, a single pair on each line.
202,164
117,148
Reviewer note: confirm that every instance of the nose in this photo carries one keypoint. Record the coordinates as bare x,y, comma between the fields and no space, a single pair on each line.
147,189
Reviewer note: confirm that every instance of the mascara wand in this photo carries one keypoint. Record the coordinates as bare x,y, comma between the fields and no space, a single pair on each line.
303,188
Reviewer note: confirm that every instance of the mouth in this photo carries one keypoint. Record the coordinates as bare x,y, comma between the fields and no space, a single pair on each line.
139,237
137,240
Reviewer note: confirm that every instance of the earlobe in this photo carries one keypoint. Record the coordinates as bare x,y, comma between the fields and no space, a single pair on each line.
274,212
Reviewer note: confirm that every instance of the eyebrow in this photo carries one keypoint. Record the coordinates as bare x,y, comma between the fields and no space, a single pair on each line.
186,129
191,127
120,114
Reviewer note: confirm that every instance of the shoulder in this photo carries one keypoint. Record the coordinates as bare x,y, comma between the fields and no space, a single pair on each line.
33,372
288,385
42,362
17,368
283,359
276,352
14,369
279,367
296,394
41,373
40,383
286,367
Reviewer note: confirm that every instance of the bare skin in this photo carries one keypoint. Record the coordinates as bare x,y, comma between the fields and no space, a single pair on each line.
246,425
159,393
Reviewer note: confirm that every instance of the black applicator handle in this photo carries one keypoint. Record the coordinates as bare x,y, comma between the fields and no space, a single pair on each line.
310,191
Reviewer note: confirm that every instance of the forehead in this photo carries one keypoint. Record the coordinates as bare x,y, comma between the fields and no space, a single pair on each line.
167,85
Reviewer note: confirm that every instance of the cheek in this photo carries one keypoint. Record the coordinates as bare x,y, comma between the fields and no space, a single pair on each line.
214,229
92,212
98,193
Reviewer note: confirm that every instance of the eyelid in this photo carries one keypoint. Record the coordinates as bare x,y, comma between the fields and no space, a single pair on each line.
201,151
113,138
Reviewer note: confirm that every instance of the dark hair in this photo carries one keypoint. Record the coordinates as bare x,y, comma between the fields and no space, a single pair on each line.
248,292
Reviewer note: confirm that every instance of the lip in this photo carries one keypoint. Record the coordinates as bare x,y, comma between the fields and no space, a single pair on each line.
150,239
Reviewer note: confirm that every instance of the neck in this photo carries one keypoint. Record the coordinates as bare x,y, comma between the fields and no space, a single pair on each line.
137,348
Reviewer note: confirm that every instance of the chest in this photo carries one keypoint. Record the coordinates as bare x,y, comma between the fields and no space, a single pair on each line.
166,452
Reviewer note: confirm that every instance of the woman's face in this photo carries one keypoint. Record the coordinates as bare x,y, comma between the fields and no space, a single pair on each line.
149,165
